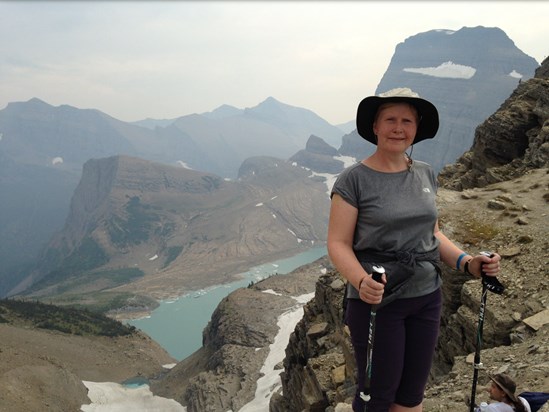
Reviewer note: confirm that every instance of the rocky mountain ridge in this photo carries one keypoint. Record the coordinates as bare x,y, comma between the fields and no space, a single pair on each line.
510,142
138,227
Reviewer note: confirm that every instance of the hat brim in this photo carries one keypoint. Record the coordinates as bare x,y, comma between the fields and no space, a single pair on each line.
509,394
368,107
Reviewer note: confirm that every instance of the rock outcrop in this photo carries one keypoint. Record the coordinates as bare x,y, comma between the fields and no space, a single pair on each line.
510,142
319,364
318,156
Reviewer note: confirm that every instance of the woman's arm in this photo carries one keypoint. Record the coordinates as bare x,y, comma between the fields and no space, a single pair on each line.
454,257
341,230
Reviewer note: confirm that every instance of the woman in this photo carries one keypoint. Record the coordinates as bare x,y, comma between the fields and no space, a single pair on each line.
383,212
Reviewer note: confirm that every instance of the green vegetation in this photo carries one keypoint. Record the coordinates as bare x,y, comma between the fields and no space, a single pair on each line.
89,255
69,278
211,182
173,252
106,301
475,232
137,226
67,320
114,277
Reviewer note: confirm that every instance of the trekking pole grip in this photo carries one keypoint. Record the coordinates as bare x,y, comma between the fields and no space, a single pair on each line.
491,282
377,273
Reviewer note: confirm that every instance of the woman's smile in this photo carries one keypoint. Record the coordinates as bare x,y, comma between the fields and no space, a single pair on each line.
396,125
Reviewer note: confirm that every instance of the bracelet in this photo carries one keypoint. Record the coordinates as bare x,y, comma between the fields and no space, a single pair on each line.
466,268
459,259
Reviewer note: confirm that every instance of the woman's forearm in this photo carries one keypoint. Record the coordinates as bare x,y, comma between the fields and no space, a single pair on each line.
345,261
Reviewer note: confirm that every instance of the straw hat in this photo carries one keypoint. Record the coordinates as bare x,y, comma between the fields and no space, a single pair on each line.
367,109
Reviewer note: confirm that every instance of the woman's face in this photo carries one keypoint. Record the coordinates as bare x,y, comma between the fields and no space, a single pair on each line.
495,392
395,126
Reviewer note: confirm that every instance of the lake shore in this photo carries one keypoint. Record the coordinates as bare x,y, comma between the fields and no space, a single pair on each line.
241,272
177,324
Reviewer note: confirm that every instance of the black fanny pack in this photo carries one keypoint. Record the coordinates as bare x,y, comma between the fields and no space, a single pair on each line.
399,267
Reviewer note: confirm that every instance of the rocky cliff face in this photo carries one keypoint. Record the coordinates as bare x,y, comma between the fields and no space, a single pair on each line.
158,230
319,364
318,156
510,142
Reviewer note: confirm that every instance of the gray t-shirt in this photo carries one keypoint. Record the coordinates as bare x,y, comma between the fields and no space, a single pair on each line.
396,212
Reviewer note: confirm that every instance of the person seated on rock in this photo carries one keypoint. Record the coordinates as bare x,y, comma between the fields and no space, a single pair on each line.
502,390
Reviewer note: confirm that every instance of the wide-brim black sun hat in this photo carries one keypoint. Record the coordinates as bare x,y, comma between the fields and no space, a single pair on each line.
368,107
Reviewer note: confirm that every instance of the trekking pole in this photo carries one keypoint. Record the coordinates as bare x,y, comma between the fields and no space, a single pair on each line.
377,272
489,283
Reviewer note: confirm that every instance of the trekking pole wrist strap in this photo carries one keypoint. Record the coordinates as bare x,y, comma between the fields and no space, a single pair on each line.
466,268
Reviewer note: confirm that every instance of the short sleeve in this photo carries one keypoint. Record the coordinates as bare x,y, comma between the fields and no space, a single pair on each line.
346,186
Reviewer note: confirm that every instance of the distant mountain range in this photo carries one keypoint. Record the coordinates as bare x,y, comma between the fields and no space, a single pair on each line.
43,150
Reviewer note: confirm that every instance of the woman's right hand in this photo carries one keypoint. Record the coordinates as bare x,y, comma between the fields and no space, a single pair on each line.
371,291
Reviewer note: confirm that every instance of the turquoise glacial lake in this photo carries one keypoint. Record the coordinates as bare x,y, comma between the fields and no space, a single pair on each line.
177,325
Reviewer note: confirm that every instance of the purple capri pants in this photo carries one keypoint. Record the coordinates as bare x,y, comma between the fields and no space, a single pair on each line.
404,344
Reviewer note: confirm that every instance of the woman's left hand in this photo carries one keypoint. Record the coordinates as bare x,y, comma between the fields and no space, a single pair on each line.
482,263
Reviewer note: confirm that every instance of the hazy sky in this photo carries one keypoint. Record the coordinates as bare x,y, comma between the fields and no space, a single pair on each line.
134,60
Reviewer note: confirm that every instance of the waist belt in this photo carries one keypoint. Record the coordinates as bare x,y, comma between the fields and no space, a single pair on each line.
399,267
408,258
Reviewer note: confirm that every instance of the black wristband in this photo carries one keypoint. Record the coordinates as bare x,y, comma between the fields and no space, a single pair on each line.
466,268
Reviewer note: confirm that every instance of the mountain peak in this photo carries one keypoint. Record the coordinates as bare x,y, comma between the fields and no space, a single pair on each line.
223,112
36,100
35,103
270,100
271,103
